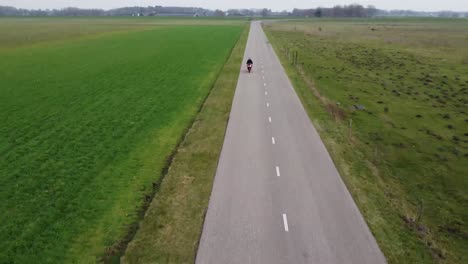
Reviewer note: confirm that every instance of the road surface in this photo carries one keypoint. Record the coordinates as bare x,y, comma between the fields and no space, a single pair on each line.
277,196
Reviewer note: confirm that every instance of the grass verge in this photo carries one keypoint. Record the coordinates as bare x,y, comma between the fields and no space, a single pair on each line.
171,228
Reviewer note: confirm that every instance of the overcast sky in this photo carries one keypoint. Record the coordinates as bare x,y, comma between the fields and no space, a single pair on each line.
277,5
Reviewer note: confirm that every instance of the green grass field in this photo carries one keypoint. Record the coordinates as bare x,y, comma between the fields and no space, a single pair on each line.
90,114
389,98
28,31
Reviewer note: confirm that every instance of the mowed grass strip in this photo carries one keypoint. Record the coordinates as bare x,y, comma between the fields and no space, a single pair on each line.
86,128
172,226
388,98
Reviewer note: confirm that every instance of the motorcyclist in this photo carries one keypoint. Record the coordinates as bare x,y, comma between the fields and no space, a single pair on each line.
249,64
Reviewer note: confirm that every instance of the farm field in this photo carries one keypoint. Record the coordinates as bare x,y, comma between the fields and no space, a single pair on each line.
389,99
90,113
52,29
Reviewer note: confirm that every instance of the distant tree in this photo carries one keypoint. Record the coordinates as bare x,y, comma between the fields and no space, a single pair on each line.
371,11
338,11
265,12
448,14
219,13
309,12
246,12
318,12
233,12
355,11
297,12
284,13
8,11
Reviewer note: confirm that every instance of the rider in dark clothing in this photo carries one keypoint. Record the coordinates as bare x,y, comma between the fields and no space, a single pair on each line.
249,61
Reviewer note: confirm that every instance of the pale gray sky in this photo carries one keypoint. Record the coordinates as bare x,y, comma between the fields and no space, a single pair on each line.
419,5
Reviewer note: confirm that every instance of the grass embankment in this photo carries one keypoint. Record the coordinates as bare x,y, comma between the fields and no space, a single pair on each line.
87,126
389,98
171,229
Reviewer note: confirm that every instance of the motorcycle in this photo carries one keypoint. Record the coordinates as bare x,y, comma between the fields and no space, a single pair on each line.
249,67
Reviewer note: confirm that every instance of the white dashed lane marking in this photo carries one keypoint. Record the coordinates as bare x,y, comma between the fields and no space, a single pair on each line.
285,221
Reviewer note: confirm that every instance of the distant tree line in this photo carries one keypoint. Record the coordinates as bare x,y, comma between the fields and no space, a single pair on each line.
403,13
124,11
337,11
265,12
354,10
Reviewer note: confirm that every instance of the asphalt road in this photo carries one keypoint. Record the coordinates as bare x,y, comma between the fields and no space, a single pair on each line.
277,196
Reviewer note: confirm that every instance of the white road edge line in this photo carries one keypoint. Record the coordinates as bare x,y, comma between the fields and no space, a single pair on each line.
269,119
285,221
273,140
277,171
